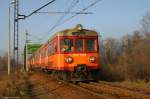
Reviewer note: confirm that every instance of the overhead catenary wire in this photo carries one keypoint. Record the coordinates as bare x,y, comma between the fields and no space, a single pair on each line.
39,8
61,18
92,4
35,11
64,12
76,14
73,4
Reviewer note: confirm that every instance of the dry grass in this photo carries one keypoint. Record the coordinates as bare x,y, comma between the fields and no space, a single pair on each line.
3,82
14,86
138,83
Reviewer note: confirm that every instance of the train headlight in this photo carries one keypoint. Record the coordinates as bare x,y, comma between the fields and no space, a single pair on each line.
92,59
69,59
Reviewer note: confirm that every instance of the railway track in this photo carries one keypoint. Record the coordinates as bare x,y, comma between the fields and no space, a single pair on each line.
137,89
88,90
44,85
116,92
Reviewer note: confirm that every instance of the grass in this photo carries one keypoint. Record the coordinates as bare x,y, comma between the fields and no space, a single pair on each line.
138,83
14,87
131,84
3,82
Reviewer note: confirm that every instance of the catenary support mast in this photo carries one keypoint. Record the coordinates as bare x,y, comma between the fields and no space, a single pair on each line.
16,33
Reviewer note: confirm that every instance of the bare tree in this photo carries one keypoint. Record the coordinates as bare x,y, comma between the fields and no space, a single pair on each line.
3,62
146,24
113,49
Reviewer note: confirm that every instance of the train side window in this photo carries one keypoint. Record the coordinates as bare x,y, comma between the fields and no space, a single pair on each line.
79,45
91,45
55,47
66,45
50,49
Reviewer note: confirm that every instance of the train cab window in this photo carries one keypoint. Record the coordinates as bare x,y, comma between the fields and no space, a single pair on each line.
79,45
91,45
66,45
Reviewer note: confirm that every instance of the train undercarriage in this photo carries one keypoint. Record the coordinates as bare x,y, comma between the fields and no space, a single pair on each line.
81,73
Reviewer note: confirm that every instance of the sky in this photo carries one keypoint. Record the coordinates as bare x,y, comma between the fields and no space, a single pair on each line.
111,18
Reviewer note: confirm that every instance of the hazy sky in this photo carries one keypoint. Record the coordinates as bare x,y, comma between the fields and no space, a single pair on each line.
112,18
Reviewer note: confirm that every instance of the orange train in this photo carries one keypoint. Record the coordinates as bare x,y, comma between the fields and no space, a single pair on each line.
71,54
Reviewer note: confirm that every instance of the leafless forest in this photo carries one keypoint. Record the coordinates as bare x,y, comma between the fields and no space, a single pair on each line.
128,58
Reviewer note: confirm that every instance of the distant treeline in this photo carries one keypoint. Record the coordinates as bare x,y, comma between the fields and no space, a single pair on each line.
127,58
3,62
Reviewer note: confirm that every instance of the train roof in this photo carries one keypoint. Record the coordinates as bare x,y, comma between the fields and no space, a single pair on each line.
77,29
71,32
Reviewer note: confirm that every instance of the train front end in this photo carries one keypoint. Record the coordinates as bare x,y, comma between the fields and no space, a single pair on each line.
78,54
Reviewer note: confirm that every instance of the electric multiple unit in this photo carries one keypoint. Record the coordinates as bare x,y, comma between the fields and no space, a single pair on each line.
71,54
